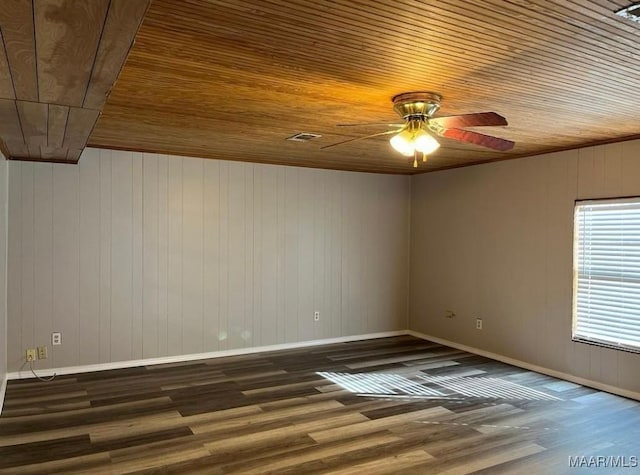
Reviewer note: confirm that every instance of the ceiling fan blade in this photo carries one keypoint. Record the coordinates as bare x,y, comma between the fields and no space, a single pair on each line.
385,124
388,132
470,120
468,136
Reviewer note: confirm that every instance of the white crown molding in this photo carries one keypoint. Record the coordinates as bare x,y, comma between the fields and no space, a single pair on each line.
531,367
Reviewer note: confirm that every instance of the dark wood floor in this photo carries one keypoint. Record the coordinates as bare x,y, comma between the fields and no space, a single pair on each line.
411,407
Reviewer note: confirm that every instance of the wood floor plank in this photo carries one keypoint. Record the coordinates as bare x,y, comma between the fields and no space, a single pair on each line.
156,459
49,397
85,464
214,463
511,453
294,461
45,450
285,413
138,425
85,416
386,361
272,436
273,412
48,408
330,434
393,464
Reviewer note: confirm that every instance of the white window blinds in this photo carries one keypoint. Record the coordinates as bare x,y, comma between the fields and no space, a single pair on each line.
606,307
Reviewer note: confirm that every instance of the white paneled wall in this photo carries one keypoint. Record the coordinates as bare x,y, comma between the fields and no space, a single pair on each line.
134,255
495,242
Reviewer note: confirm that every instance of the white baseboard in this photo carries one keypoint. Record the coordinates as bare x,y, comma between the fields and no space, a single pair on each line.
3,390
197,356
303,344
531,367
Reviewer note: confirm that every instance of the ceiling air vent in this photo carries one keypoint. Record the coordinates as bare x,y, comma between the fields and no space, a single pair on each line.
632,12
303,137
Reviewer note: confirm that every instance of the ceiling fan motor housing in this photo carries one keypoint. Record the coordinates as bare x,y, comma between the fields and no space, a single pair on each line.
416,105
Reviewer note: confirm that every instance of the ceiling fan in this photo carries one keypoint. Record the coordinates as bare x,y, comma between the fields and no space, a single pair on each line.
416,135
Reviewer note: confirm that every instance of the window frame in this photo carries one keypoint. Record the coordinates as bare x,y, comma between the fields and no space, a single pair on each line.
575,275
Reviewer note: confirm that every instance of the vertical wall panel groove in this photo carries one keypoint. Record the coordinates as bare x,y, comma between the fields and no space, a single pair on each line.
4,221
496,242
66,263
89,350
248,336
163,292
105,256
135,255
211,257
43,254
150,249
14,264
122,256
203,326
192,284
223,330
28,261
137,260
258,244
174,256
281,244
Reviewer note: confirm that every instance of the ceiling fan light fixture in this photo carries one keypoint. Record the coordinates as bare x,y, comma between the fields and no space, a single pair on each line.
425,143
403,143
414,139
417,136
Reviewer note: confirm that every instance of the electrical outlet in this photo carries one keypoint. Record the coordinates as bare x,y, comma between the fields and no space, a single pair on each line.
56,338
316,316
42,353
32,355
478,323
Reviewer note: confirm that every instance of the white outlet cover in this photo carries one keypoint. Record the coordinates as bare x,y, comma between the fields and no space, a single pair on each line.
56,338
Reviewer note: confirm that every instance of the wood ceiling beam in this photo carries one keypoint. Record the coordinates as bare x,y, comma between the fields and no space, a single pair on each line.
59,60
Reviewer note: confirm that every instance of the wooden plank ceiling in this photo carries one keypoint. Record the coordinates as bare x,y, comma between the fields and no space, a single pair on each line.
58,63
231,80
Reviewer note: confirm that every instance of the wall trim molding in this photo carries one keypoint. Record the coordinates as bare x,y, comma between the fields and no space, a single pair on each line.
531,367
326,341
196,356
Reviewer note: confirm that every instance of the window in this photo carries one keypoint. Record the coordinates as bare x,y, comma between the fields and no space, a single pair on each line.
606,269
